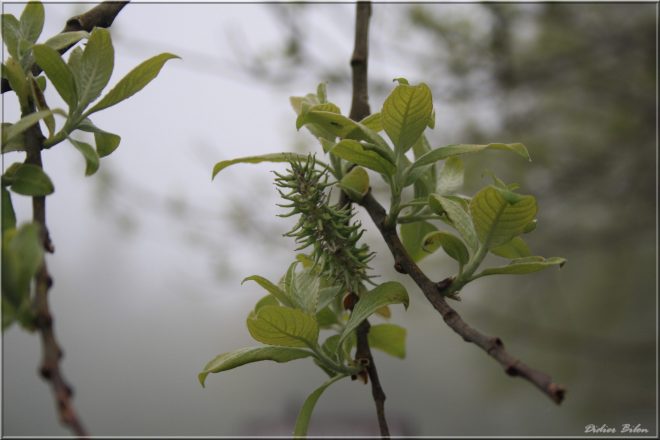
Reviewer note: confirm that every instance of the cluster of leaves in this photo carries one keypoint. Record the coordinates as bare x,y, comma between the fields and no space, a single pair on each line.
79,81
318,297
493,220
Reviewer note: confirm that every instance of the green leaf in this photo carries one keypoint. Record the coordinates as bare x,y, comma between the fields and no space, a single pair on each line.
374,122
406,113
32,21
339,125
498,220
268,300
106,142
271,288
57,72
451,176
457,149
451,244
354,152
40,101
65,39
326,295
304,290
75,64
521,266
389,338
459,218
283,326
22,254
305,414
273,157
426,183
30,180
412,236
96,65
134,81
355,183
389,292
90,155
23,124
17,143
11,34
516,248
8,214
242,356
17,80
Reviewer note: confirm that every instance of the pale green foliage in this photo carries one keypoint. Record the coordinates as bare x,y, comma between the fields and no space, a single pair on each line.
310,300
79,82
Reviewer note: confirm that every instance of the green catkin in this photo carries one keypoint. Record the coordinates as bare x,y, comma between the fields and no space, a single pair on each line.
328,229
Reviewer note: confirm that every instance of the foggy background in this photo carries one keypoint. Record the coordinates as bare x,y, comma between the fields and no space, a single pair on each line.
150,253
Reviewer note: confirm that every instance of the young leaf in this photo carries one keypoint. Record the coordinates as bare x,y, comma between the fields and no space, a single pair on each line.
355,183
57,72
521,266
426,183
90,155
65,39
11,34
32,21
459,218
40,101
15,75
516,248
457,149
96,66
374,122
343,127
242,356
17,143
389,338
498,220
451,175
22,254
8,214
352,151
268,300
304,291
23,124
305,414
451,244
274,157
134,81
389,292
106,142
30,180
406,113
412,236
283,326
271,288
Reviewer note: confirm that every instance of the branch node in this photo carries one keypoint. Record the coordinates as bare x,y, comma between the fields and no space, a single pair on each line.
399,268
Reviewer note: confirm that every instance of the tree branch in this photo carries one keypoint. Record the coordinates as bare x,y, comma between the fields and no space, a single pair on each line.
102,15
51,352
360,103
99,16
493,346
359,110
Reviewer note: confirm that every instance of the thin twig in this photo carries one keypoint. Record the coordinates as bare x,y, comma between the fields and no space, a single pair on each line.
51,352
493,346
101,15
359,110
